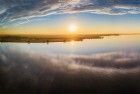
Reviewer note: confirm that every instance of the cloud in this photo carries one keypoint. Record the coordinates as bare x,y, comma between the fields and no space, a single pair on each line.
15,9
31,72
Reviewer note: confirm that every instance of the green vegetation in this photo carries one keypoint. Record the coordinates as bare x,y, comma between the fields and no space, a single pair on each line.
50,38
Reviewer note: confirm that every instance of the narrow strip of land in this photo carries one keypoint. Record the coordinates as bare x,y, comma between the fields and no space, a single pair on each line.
50,38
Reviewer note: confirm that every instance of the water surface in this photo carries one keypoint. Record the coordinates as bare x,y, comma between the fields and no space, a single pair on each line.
123,43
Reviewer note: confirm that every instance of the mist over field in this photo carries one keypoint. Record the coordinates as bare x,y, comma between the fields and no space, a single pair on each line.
34,73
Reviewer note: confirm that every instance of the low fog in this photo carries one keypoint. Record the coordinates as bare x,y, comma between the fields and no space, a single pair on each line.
34,73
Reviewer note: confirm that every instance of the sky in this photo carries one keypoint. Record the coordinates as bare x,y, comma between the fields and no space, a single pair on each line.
60,16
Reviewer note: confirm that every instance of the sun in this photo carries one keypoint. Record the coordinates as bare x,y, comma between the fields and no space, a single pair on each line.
72,27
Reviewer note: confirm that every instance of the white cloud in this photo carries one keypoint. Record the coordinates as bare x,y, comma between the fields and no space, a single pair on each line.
31,8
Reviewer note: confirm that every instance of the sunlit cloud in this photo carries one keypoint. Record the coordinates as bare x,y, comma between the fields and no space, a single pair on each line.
15,9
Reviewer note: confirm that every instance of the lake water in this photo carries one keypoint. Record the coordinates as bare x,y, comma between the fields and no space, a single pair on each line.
123,43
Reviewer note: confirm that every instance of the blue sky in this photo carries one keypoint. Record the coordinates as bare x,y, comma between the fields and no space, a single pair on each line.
14,13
